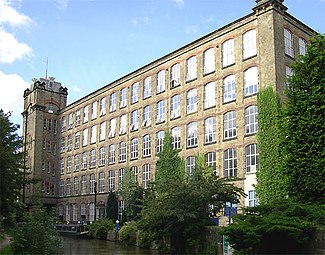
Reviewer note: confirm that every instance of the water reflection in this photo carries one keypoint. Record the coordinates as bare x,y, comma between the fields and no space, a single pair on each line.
73,246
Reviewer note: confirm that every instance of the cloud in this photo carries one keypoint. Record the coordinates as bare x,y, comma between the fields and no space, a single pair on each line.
192,30
11,49
140,21
76,88
178,3
12,99
62,5
8,15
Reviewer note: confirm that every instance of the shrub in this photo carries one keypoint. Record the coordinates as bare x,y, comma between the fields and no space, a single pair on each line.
127,233
100,228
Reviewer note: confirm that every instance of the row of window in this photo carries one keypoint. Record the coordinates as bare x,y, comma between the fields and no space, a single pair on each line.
229,94
289,44
81,186
229,130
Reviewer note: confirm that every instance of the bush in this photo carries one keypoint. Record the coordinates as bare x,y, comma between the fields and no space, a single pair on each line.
100,228
128,232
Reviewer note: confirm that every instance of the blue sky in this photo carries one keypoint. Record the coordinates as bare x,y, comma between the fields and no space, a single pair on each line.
89,43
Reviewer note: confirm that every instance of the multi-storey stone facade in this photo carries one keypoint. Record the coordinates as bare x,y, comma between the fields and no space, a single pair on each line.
204,92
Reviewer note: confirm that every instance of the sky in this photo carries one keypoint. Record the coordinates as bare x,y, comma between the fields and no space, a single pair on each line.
86,44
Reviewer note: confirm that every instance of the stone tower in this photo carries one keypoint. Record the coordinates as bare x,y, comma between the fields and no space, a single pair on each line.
42,103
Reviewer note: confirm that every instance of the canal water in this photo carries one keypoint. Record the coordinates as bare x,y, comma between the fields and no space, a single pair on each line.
74,246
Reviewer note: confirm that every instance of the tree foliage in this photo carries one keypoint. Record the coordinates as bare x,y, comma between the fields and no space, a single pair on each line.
37,235
132,195
271,182
112,206
11,177
280,227
304,124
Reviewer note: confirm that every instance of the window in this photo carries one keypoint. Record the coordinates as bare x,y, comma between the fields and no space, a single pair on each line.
63,124
251,158
251,124
112,128
83,185
175,106
175,76
249,44
77,140
192,134
190,165
112,102
55,126
61,166
250,81
210,130
111,180
288,43
191,68
75,186
120,178
229,125
191,101
74,212
111,154
84,137
176,137
70,121
69,164
92,158
123,97
93,134
134,149
302,46
50,124
208,61
51,108
92,184
209,95
230,163
134,120
102,131
289,73
135,93
229,89
145,176
94,110
228,53
85,117
160,141
122,154
210,160
146,146
84,160
91,212
101,156
76,162
101,185
69,143
67,212
147,87
146,116
77,118
134,170
44,123
68,187
122,124
160,81
160,111
102,107
61,188
252,200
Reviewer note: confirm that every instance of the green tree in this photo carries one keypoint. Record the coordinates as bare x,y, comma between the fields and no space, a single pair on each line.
11,177
112,206
271,182
132,195
37,235
304,125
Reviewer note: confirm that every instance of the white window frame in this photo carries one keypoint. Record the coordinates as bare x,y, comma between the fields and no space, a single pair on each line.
251,81
191,101
75,185
122,151
249,44
77,118
84,160
69,164
210,130
251,158
146,150
175,75
190,165
134,154
120,178
229,88
101,182
70,120
94,110
176,138
161,77
209,95
192,135
252,199
123,124
77,140
230,163
145,176
102,156
85,114
92,158
209,61
228,53
302,46
160,141
134,120
288,43
123,97
111,154
251,120
191,68
93,134
175,106
229,125
135,93
102,131
68,187
112,128
111,180
83,185
102,107
160,117
289,73
147,87
112,102
61,188
146,116
76,162
92,184
211,160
